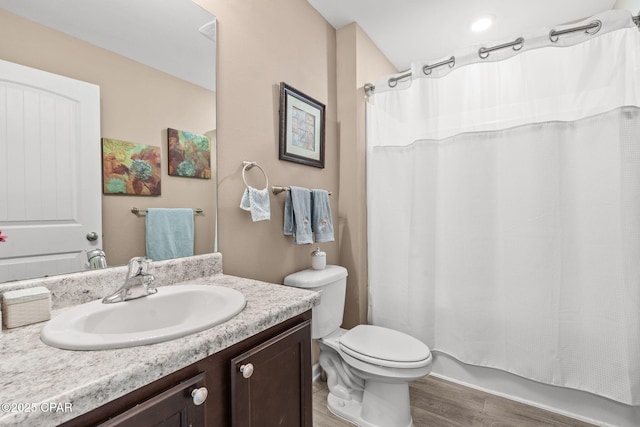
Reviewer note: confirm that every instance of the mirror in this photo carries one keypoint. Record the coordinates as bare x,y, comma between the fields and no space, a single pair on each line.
155,65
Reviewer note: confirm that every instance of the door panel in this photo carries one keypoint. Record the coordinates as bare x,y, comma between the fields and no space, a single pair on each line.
50,191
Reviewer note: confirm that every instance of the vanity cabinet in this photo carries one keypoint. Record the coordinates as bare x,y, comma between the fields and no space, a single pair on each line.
274,390
172,408
270,381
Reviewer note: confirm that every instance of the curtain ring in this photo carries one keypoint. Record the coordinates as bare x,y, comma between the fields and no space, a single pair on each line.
248,166
596,25
519,44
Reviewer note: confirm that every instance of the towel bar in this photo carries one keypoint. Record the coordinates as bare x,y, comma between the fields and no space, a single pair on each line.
144,211
278,190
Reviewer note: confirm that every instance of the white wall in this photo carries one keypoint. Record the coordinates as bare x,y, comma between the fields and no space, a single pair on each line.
632,6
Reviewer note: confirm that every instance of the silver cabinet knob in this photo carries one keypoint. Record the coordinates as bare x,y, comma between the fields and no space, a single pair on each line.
247,370
199,395
92,236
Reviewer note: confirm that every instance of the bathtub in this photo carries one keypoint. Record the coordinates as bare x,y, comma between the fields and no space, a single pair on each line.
577,404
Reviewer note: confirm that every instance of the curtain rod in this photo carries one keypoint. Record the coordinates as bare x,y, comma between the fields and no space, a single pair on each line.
591,28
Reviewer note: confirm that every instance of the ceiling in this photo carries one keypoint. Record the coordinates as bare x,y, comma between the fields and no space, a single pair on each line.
428,30
404,30
162,34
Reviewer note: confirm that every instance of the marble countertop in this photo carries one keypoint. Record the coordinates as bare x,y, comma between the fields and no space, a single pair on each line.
45,386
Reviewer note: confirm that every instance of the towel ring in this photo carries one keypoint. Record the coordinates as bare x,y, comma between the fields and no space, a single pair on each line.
248,166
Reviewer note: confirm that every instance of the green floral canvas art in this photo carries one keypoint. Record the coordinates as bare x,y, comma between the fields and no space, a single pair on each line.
189,154
130,168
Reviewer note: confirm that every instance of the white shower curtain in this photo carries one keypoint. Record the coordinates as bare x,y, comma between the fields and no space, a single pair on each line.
504,208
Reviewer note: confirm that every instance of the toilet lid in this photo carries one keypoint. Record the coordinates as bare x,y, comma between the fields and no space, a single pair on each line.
385,347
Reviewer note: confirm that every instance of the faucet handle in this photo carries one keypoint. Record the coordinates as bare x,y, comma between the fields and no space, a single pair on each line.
138,266
148,280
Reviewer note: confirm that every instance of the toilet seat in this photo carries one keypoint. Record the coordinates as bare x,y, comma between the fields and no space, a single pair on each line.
385,347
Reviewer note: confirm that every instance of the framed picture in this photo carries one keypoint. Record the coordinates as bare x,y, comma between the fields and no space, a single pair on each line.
189,154
130,168
301,128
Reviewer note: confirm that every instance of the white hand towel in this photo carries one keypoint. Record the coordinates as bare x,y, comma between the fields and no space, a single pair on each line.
257,202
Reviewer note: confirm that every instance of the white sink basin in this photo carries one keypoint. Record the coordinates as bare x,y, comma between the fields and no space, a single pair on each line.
173,312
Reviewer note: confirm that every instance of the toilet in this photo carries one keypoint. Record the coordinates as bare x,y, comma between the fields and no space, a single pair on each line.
368,367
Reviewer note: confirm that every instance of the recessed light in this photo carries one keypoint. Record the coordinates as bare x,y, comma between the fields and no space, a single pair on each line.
482,23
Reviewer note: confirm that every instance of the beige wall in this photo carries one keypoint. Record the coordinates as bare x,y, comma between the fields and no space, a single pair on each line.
359,61
260,44
137,104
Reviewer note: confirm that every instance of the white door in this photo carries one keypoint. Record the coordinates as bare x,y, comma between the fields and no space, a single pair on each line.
50,188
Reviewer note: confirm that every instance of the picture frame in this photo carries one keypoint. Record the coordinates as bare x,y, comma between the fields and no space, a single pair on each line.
302,127
189,154
130,168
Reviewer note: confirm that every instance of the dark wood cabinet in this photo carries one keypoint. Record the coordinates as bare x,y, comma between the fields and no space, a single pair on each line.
277,393
273,381
172,408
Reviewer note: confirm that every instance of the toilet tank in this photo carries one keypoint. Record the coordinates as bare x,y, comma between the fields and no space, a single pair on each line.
331,283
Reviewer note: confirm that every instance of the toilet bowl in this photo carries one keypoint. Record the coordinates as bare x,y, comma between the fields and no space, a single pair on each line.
368,367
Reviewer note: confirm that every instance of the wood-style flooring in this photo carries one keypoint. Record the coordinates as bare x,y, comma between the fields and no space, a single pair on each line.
439,403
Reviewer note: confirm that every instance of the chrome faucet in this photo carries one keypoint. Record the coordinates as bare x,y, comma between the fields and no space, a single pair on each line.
97,259
137,285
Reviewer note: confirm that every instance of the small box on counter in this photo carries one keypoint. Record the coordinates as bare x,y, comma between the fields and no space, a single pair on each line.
26,306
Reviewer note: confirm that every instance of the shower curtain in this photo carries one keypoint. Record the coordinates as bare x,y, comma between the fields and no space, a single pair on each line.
504,208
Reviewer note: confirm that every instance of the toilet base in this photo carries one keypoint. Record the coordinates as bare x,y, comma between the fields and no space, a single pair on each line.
371,407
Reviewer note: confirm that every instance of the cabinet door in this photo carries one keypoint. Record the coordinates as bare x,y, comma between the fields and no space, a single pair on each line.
172,408
271,383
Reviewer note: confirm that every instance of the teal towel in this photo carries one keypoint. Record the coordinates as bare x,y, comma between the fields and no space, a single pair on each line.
169,233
